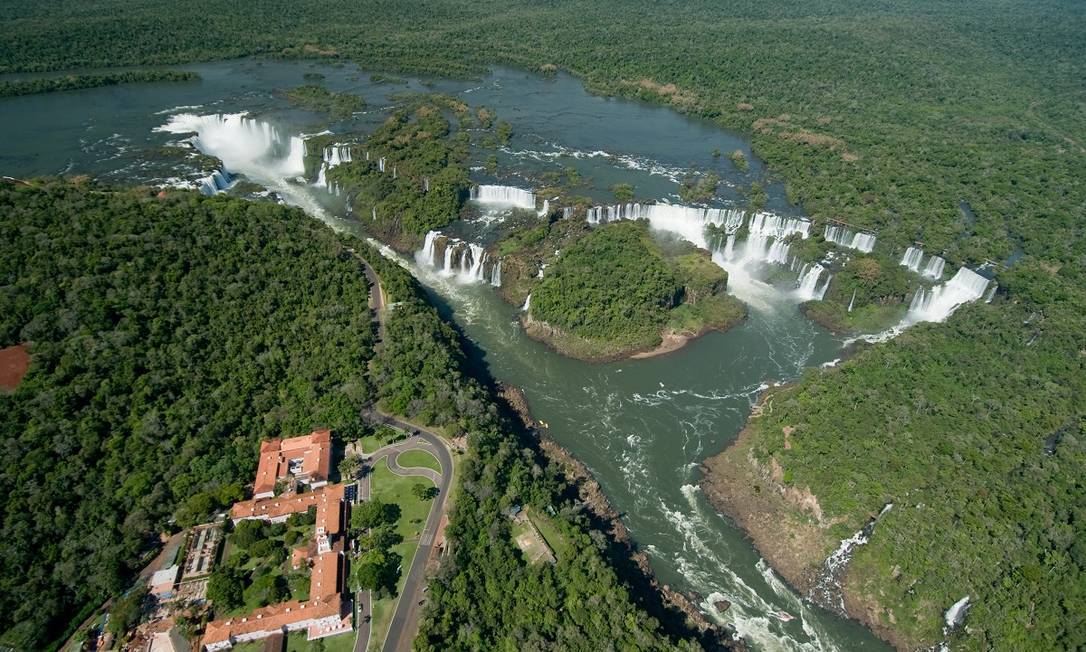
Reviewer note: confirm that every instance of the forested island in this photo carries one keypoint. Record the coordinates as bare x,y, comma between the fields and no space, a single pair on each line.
612,292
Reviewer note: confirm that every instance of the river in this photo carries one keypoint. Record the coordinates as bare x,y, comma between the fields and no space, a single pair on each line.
642,427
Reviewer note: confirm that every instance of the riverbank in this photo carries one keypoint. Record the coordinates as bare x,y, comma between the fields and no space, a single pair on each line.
785,523
592,496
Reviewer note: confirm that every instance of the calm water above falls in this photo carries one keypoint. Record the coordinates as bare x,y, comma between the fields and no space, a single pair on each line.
642,427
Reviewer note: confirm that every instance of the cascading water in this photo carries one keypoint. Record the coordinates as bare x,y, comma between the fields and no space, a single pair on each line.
546,208
244,145
567,212
527,303
852,301
464,261
215,182
777,226
808,289
912,258
938,303
846,237
507,195
826,591
934,268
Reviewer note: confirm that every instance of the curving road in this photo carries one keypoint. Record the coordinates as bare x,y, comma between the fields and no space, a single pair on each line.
404,625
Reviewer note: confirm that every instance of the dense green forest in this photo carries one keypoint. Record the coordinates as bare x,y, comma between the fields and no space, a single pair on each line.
614,289
182,335
975,430
318,98
75,82
169,336
425,178
955,124
486,596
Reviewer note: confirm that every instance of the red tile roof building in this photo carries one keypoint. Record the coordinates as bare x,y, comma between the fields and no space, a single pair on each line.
308,458
327,612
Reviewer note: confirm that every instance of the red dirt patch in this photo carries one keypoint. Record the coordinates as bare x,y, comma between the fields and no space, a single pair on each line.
14,363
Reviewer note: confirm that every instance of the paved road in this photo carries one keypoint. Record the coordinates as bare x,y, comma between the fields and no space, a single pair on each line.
365,599
404,623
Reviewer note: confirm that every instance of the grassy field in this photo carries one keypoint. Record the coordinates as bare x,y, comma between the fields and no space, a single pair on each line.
419,458
296,642
382,437
391,488
555,539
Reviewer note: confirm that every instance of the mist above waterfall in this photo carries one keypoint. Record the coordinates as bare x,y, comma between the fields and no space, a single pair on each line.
244,145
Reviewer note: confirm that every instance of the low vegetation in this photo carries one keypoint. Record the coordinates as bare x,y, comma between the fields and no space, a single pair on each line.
76,82
314,97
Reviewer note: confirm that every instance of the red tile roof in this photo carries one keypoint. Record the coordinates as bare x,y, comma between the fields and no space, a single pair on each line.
273,617
313,450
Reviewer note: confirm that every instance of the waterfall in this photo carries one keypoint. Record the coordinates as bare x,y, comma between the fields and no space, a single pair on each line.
852,301
934,268
215,182
845,237
426,184
334,155
777,226
242,143
373,213
938,303
464,261
381,164
826,591
567,212
912,257
729,247
508,195
808,289
546,208
527,303
956,613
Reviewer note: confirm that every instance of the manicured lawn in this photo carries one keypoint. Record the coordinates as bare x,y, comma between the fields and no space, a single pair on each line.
339,643
251,646
391,488
419,458
383,437
555,539
533,547
265,566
